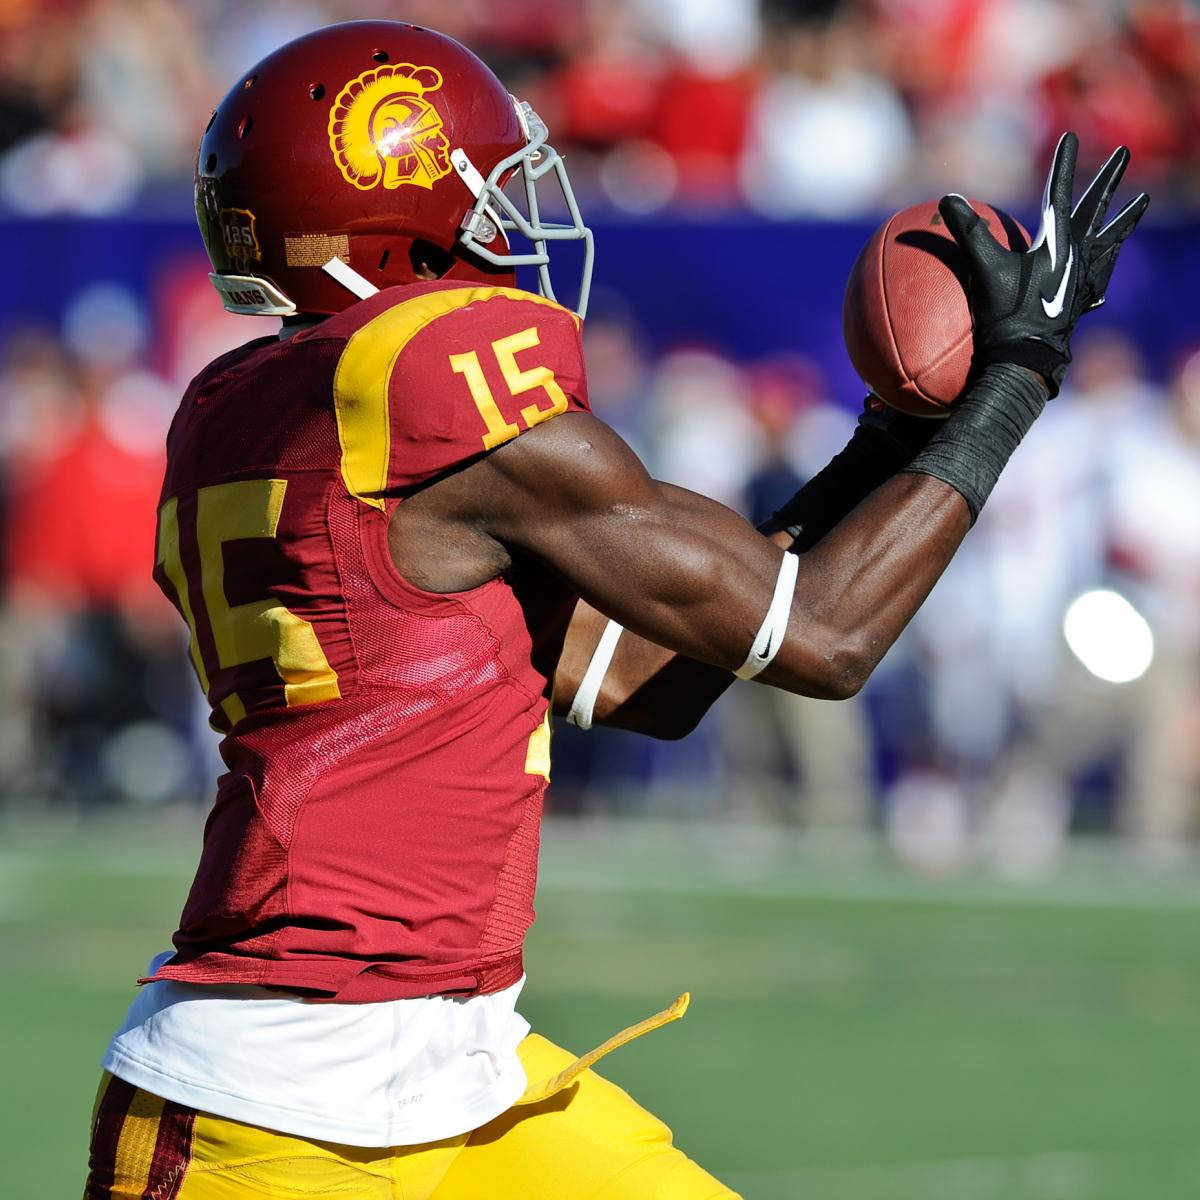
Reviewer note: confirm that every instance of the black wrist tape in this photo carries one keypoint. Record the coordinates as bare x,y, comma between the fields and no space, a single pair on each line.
983,429
1048,362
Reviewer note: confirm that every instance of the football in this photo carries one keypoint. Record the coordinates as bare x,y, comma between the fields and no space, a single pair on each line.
906,319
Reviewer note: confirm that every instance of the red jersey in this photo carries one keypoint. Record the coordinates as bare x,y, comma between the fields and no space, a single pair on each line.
376,834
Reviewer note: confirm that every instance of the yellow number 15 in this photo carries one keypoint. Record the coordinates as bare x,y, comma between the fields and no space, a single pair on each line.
519,381
242,633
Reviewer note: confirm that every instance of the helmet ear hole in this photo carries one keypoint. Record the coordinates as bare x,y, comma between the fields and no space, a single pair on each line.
380,56
210,163
439,261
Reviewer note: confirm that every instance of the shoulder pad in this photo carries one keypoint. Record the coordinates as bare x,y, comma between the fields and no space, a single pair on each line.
440,377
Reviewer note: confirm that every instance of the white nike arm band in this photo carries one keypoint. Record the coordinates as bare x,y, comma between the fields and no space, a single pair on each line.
774,627
593,677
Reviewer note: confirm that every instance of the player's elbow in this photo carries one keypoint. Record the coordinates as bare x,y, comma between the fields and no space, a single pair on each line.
845,683
841,671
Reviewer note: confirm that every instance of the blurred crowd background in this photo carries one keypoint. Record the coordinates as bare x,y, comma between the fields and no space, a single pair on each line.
791,107
1049,685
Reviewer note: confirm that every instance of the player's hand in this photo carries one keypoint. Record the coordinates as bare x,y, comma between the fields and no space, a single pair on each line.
1026,302
908,432
884,442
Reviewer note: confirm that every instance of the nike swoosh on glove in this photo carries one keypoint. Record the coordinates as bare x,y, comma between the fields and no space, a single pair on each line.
1025,302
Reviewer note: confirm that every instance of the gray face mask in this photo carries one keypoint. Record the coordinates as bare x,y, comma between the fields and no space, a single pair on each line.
495,213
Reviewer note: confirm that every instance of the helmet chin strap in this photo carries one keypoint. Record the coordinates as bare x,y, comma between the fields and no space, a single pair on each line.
349,278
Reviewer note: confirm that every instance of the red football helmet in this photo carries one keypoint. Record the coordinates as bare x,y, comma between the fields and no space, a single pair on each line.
349,156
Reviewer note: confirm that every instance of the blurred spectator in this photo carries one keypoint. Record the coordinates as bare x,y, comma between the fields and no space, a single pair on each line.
986,736
237,35
97,697
829,135
143,77
618,371
84,493
606,93
1155,543
827,107
1135,85
704,436
1019,734
791,757
715,37
38,69
1046,535
120,86
779,393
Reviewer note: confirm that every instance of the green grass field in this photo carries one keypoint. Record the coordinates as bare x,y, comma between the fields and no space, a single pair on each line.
854,1033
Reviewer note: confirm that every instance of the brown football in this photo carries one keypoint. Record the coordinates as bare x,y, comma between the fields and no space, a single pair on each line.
905,316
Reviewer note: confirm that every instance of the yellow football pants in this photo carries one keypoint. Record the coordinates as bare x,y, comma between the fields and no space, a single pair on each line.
573,1136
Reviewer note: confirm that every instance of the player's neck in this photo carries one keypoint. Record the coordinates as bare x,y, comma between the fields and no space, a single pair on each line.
297,324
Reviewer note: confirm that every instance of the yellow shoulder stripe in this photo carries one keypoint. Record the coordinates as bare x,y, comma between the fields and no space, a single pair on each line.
363,378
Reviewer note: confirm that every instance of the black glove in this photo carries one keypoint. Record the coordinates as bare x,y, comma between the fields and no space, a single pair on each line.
1026,302
898,434
884,442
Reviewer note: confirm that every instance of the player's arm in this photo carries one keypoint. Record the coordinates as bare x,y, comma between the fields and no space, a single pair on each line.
692,576
644,687
648,689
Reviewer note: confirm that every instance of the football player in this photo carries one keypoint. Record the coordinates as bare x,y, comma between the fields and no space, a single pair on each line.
399,539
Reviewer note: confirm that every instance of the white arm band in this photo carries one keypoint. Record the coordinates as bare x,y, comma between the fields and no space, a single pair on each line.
593,677
774,627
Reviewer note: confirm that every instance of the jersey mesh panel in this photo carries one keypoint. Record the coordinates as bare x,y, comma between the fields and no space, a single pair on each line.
408,650
509,919
449,655
422,661
239,891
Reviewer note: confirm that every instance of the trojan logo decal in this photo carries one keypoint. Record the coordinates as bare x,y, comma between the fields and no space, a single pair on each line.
239,235
383,130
